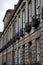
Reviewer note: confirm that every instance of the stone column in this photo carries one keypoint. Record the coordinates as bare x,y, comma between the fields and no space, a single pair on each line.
21,55
26,53
41,46
34,57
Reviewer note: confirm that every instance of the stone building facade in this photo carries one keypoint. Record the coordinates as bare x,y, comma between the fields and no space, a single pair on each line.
21,42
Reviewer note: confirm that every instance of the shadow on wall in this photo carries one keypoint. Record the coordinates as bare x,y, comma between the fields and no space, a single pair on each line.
4,63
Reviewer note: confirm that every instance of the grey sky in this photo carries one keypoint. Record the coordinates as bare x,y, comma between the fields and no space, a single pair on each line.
4,5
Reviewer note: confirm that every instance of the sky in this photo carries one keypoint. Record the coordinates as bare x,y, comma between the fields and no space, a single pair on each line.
4,5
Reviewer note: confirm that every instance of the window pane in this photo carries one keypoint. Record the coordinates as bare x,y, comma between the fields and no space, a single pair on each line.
11,32
23,14
38,46
38,2
38,49
38,57
19,24
37,7
38,11
23,20
30,8
30,20
30,12
16,27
